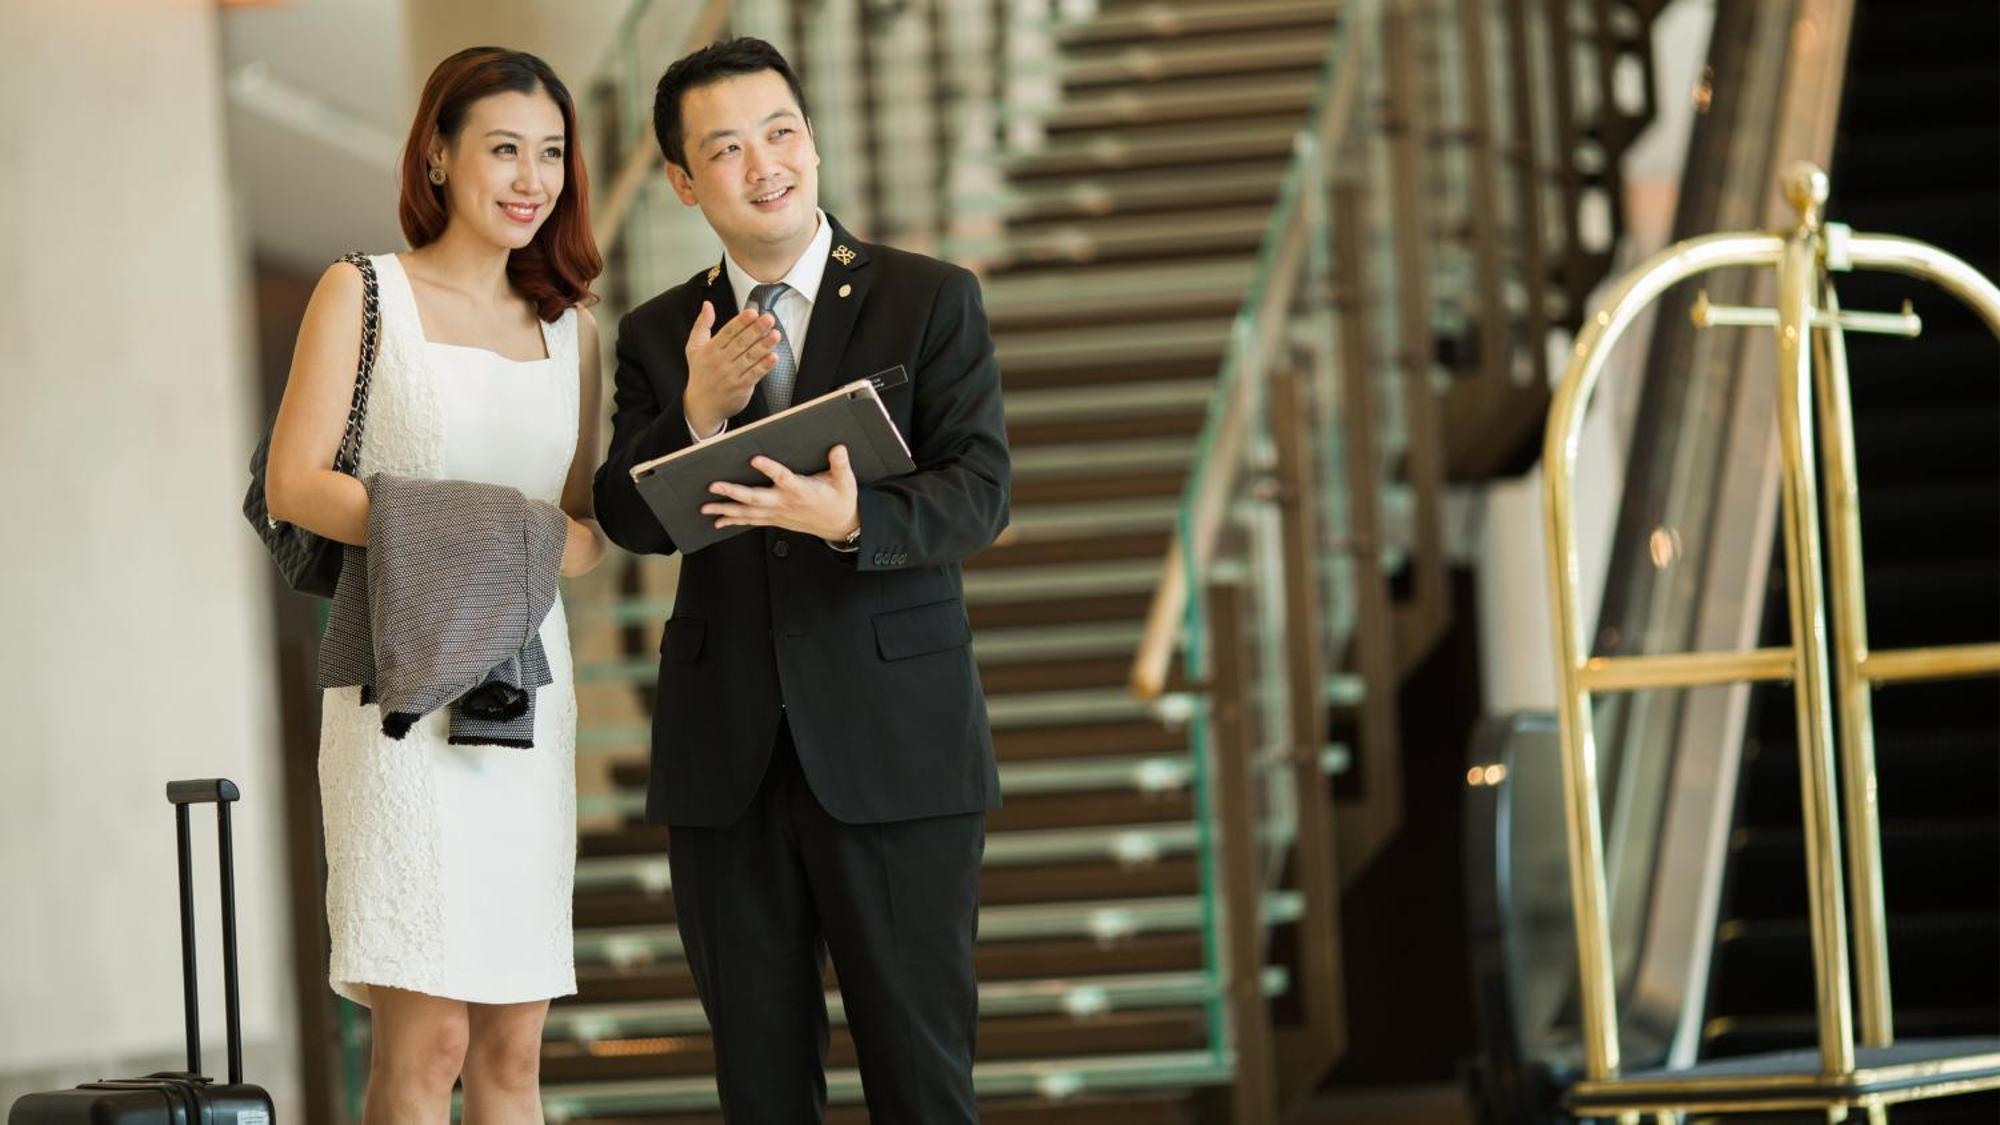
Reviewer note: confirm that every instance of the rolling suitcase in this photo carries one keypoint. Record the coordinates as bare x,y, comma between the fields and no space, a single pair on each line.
175,1097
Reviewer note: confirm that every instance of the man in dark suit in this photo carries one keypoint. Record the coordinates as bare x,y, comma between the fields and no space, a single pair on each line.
820,747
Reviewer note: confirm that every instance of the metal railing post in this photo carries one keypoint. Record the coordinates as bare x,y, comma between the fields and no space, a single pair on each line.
1429,607
1528,171
1371,824
1253,1096
1306,1055
1485,162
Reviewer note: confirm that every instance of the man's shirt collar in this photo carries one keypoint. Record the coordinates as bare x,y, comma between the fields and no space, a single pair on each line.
805,273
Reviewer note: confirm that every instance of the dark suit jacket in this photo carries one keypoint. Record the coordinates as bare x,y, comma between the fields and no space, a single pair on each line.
868,652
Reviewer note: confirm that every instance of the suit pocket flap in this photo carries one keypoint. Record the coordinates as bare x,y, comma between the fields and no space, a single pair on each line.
920,629
681,639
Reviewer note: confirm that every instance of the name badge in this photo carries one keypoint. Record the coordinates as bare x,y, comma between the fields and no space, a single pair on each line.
889,379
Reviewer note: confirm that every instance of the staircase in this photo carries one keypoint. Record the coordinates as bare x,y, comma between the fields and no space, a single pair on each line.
1919,154
1130,241
1131,233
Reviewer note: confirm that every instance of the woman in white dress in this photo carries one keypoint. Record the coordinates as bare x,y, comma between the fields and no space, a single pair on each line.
449,868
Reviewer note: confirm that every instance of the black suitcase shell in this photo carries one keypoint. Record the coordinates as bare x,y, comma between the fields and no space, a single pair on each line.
168,1098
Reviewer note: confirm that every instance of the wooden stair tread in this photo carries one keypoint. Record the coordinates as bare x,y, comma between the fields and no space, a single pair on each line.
1167,144
1186,103
1080,810
1197,363
1167,246
994,961
1049,810
1088,740
1115,607
1099,548
1170,1107
1153,21
1135,314
1109,486
1142,738
1160,65
998,886
1053,675
1026,744
1002,1037
1181,423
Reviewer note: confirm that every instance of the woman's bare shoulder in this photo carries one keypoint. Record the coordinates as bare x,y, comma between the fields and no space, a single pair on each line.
339,290
330,331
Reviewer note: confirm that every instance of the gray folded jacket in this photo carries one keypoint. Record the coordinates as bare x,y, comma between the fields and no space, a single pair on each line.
445,606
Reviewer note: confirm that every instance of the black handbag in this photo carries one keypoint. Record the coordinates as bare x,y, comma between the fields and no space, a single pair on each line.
310,562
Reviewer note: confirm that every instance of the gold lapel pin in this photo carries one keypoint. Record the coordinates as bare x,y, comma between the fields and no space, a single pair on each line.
846,289
843,255
714,272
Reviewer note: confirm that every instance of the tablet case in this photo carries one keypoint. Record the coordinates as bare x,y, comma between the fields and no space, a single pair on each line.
676,486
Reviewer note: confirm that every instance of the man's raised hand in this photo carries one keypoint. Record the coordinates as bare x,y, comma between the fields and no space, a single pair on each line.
724,367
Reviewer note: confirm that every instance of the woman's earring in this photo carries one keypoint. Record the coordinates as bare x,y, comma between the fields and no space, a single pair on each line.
437,175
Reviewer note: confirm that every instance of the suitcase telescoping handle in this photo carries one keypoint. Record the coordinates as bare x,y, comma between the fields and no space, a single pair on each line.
221,792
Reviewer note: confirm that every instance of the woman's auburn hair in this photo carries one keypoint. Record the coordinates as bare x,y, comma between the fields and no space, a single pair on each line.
556,269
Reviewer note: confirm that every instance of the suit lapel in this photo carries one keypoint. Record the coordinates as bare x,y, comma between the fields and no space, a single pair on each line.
842,289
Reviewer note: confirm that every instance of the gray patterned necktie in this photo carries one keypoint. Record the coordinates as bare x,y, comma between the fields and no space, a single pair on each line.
782,378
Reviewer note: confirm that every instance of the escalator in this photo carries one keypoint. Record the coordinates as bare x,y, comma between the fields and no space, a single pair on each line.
1918,154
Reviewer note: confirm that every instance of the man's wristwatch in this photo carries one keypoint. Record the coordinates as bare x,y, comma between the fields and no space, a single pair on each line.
852,538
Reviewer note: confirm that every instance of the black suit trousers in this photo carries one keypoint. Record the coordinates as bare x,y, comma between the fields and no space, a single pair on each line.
762,901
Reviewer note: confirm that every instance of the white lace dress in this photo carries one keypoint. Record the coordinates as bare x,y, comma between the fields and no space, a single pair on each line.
449,868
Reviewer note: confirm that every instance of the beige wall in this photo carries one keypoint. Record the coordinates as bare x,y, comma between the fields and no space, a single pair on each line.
134,598
571,37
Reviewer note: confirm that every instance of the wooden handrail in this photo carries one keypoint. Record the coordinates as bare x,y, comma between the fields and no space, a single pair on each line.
621,195
1230,416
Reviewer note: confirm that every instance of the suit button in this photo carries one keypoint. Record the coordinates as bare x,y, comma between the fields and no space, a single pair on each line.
781,548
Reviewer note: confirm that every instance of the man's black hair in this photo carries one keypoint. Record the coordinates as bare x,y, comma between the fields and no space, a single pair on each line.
712,63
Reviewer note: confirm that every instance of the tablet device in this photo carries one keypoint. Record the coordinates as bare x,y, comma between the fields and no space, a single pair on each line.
799,437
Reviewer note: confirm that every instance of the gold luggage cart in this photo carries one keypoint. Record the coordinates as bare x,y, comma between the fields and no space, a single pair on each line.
1870,1070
